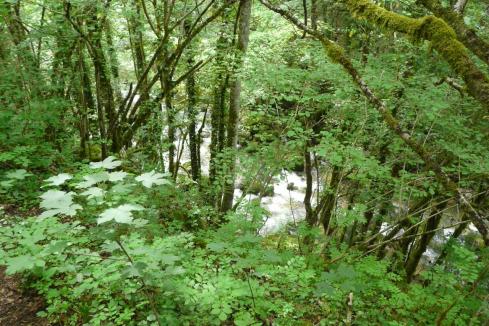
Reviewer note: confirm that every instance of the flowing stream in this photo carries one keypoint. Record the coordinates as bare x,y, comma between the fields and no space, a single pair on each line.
286,204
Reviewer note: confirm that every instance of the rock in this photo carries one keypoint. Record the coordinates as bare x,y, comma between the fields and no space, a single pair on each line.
291,186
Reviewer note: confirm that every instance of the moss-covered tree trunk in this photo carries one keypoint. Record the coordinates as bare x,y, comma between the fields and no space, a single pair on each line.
465,34
218,109
439,33
86,102
337,54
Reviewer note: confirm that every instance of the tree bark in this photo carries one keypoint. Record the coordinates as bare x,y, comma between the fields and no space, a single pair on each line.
420,246
311,216
314,14
234,102
192,116
328,200
459,6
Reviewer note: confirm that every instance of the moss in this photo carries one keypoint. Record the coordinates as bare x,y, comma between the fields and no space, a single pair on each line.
465,34
433,29
333,50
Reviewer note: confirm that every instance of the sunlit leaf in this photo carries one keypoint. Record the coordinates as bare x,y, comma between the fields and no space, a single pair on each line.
58,202
109,163
93,179
58,180
93,192
120,214
152,178
117,176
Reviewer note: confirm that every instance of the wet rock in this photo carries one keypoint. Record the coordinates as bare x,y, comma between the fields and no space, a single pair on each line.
291,186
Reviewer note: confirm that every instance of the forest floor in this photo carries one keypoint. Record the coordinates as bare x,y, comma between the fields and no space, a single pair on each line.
18,306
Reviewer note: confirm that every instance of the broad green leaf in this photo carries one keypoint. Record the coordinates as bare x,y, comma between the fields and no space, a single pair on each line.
121,189
58,202
20,174
121,214
152,178
22,263
93,179
109,163
217,246
58,180
7,184
93,192
117,176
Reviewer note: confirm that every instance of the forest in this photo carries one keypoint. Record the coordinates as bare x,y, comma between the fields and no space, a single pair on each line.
244,162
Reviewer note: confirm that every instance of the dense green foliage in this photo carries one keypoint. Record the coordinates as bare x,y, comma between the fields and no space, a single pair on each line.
246,163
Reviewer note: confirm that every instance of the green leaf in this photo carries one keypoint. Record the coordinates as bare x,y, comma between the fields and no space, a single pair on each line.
152,178
58,202
20,174
58,180
223,316
216,246
93,179
117,176
121,214
93,192
19,264
109,163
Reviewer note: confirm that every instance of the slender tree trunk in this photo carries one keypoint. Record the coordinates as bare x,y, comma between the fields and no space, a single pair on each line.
170,120
194,144
328,199
192,115
458,231
311,216
314,14
114,62
104,90
422,244
137,43
234,103
87,103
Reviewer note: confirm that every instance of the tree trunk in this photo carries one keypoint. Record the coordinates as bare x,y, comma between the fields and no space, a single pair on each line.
421,245
314,14
459,7
192,116
311,216
103,87
328,199
87,104
218,105
114,62
234,101
170,120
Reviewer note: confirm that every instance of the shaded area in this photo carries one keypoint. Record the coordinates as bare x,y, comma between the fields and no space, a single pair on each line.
18,306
